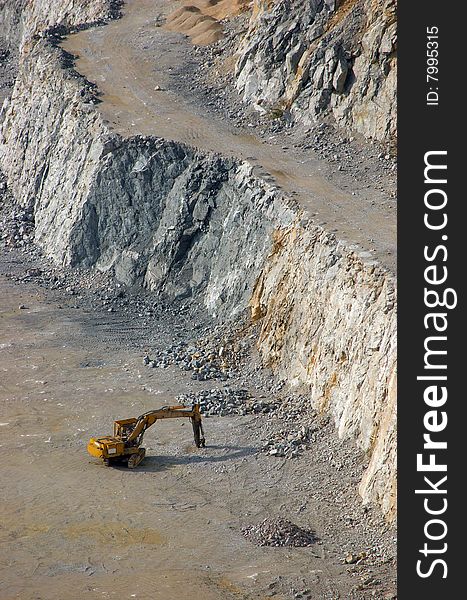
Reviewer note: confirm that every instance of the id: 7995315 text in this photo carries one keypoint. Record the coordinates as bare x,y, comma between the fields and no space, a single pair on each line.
432,66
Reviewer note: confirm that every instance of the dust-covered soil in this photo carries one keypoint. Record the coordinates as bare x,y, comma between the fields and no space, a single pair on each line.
201,20
185,524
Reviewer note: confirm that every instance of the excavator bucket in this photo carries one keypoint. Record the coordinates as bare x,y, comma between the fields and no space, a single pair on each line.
198,433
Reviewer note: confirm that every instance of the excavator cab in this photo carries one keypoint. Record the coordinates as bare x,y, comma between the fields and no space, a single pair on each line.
123,427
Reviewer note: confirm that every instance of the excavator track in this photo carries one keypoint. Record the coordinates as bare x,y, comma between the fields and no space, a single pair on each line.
135,459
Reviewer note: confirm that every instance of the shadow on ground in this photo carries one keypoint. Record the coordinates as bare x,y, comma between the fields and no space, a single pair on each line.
154,464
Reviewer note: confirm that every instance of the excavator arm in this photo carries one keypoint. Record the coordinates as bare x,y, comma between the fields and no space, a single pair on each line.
143,422
125,444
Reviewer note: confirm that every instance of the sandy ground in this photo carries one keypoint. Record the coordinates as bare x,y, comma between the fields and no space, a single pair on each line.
71,528
132,61
199,19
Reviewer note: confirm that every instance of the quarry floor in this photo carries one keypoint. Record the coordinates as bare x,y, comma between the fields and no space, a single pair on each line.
171,529
138,65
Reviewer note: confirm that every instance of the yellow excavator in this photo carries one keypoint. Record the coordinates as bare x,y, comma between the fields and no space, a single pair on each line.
125,444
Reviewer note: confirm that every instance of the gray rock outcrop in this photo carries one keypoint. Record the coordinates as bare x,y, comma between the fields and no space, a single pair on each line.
320,59
20,20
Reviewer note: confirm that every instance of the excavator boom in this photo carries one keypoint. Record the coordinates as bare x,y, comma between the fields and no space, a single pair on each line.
166,412
125,444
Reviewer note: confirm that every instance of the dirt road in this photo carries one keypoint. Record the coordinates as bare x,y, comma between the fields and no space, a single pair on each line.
132,61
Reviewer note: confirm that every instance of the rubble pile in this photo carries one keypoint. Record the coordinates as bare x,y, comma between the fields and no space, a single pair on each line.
227,401
16,223
279,532
208,359
292,428
290,444
296,408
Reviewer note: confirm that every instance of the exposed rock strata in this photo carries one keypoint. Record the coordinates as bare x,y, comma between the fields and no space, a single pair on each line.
188,224
320,58
22,19
329,322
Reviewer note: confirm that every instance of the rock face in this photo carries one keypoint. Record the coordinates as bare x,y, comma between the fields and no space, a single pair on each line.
323,58
10,21
21,19
193,225
328,321
151,210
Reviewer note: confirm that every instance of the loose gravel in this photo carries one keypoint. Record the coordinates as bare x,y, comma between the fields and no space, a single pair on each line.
279,532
